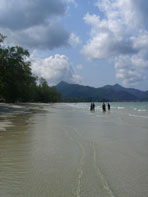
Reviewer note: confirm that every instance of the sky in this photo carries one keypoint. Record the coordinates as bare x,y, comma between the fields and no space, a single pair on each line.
88,42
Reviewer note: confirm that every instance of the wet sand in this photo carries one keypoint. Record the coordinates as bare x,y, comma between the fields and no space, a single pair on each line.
61,150
8,110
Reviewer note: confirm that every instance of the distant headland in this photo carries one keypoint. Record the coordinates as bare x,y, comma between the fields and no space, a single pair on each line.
111,93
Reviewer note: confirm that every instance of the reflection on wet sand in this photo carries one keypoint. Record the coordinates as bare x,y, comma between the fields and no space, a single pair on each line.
57,150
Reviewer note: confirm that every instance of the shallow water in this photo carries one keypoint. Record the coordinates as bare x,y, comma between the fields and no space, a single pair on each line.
65,150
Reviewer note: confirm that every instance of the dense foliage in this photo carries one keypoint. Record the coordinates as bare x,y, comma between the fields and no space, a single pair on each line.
17,83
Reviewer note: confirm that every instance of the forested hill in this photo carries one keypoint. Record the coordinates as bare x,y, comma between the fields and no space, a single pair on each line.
76,92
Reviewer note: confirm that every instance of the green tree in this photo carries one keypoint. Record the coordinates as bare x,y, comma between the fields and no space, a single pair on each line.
46,93
15,73
17,82
2,37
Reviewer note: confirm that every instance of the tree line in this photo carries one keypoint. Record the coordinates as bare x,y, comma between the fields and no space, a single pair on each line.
17,82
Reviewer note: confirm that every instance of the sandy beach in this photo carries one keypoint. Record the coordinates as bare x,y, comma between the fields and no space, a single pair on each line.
8,110
65,150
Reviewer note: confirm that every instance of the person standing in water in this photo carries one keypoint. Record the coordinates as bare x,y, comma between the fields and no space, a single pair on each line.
108,107
104,107
92,107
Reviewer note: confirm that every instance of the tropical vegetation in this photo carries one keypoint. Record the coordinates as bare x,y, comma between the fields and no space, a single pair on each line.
17,82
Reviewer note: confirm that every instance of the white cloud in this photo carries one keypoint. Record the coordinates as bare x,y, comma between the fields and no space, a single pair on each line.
35,23
41,37
131,69
17,14
79,67
74,40
140,41
120,33
72,1
54,69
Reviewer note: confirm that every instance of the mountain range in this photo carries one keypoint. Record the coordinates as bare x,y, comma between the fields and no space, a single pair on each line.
76,92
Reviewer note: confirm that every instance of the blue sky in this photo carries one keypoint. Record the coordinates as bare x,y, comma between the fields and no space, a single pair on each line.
91,42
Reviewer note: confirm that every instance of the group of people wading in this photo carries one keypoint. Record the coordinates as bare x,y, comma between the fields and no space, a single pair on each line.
92,107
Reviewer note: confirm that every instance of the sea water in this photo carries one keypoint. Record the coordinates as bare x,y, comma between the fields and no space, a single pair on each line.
65,150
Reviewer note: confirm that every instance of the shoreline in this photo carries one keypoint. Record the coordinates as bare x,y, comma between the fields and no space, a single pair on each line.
8,110
20,107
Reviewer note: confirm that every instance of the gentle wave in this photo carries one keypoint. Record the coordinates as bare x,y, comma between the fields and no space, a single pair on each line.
133,115
121,107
